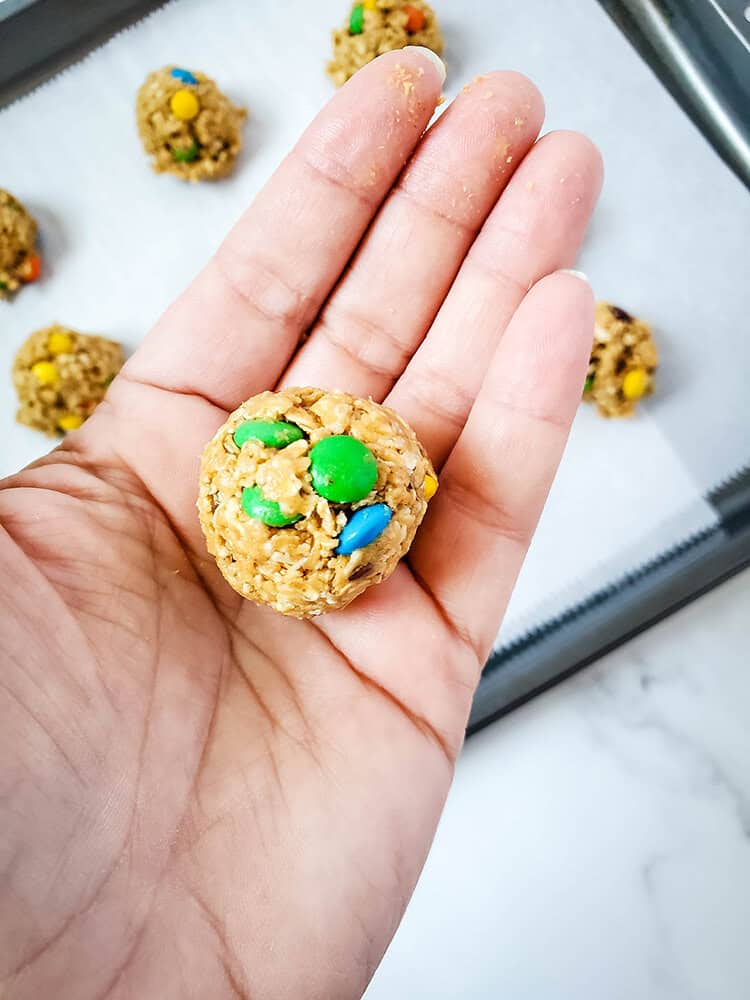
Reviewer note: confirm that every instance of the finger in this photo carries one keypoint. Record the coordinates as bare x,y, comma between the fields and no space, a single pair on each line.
536,228
469,551
231,333
401,273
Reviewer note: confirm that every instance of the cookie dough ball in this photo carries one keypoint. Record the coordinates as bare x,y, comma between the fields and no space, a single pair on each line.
60,377
623,361
19,261
307,497
187,125
378,26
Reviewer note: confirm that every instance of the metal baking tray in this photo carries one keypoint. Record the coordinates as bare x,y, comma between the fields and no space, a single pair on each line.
557,648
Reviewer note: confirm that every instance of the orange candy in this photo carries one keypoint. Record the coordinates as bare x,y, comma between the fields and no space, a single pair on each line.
31,268
414,19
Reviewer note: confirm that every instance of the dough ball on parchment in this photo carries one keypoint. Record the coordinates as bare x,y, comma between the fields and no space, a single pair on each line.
377,26
20,262
61,376
623,361
188,127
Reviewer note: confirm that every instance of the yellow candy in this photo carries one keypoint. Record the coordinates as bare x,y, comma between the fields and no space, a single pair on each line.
59,343
635,384
430,487
184,105
45,372
370,4
69,422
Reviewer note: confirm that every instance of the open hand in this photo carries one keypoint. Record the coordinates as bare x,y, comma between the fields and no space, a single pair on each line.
198,797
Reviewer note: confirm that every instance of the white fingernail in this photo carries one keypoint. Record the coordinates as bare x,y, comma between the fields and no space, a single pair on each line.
434,58
576,274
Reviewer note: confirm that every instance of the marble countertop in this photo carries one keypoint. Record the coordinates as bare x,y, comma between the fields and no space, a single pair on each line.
596,843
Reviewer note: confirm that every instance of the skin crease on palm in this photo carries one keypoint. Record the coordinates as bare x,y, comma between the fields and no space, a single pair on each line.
201,798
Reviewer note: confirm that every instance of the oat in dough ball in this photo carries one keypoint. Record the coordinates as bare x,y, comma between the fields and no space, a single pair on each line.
187,125
378,26
623,361
19,260
60,377
307,497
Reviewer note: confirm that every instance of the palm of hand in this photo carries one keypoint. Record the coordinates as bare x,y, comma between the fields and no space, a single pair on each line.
200,797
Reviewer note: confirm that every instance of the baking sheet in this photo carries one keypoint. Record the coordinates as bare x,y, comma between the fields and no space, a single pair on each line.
669,240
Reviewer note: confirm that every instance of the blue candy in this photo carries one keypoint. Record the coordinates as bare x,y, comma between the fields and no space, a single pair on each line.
183,74
363,527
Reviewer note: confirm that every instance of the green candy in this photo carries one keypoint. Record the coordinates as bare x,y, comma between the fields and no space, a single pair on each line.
186,155
587,385
342,469
256,505
271,433
3,285
357,19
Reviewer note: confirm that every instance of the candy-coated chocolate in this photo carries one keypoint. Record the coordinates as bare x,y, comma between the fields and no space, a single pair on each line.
256,505
635,384
45,372
430,487
271,433
414,19
357,19
370,4
589,383
69,422
185,105
31,268
342,469
363,527
59,343
186,155
184,75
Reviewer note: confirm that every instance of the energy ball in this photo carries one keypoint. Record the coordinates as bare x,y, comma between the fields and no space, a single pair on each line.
378,26
623,362
187,125
19,260
61,376
307,498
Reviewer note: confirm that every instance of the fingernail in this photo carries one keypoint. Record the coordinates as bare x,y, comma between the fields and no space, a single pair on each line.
576,274
434,58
